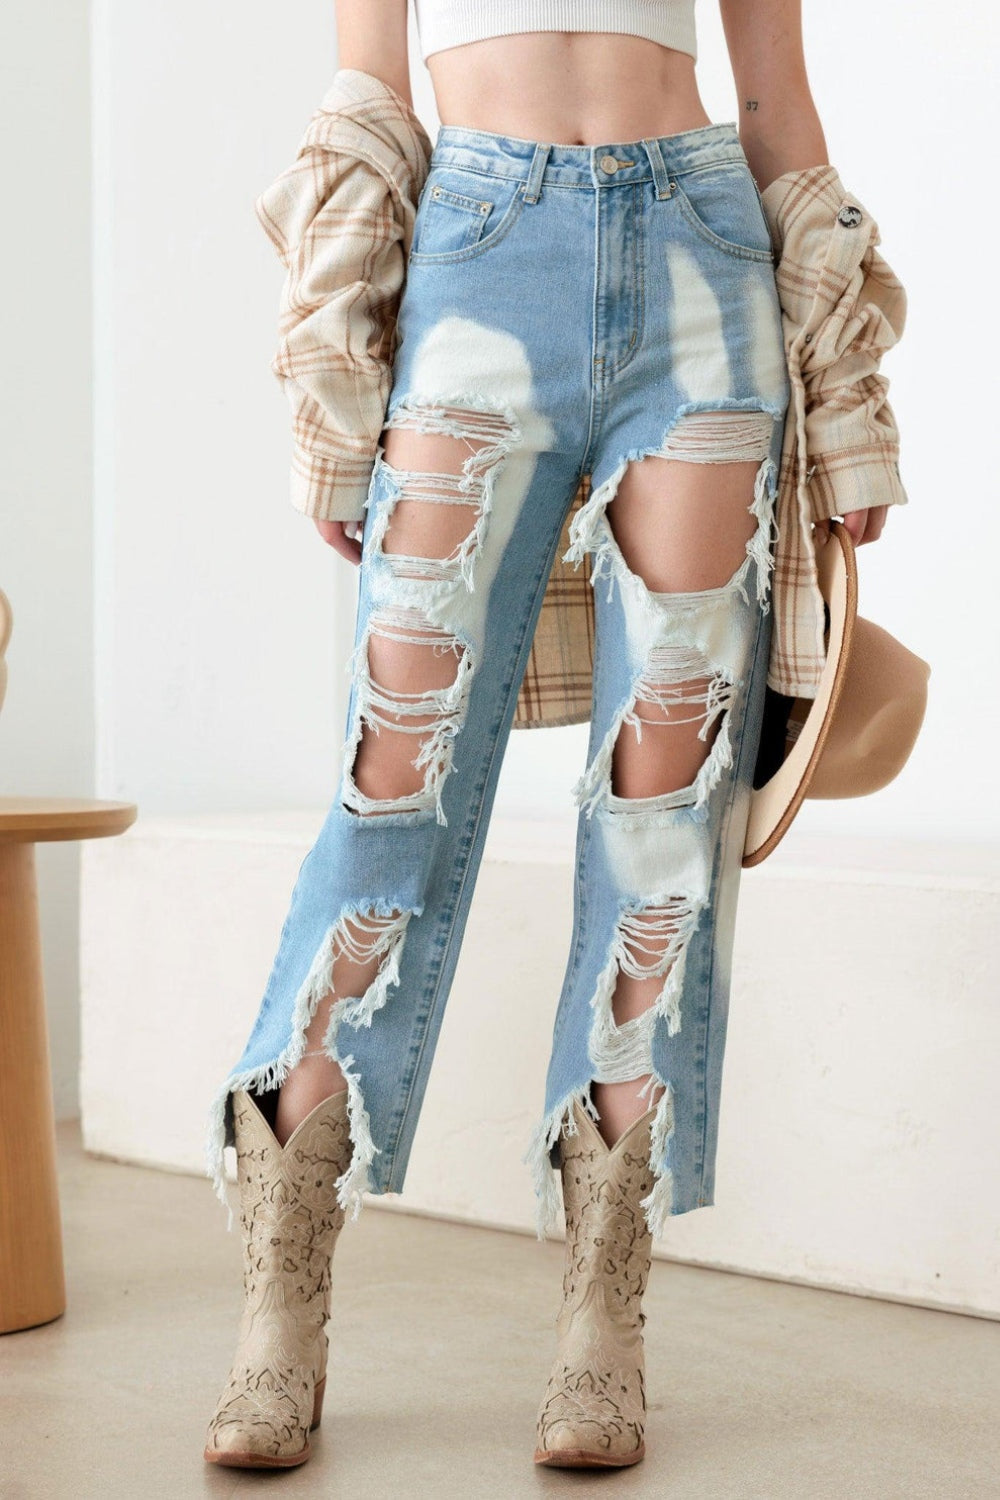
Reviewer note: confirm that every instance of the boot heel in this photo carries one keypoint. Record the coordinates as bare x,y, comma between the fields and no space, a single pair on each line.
318,1403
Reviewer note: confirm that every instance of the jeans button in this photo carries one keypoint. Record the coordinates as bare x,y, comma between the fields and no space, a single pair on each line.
609,164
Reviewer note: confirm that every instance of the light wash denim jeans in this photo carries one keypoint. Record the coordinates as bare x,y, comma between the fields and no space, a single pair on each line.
572,308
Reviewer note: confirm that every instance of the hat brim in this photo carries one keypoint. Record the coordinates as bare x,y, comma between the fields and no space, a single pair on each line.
774,805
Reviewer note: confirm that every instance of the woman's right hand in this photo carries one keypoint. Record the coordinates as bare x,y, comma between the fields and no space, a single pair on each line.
343,536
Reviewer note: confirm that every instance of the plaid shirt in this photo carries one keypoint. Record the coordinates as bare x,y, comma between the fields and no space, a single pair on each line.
341,218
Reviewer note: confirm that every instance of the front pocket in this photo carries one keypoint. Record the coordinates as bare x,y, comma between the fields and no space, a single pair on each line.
723,206
462,213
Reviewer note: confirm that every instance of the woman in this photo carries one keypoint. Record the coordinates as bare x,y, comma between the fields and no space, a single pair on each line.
590,293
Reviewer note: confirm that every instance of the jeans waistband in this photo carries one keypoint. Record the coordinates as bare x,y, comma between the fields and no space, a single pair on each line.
652,158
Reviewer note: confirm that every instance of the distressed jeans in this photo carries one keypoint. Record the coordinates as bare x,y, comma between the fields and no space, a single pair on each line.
568,310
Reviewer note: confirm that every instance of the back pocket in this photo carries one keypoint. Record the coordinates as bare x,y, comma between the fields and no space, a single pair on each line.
461,213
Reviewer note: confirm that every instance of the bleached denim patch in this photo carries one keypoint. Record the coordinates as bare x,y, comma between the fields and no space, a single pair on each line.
568,310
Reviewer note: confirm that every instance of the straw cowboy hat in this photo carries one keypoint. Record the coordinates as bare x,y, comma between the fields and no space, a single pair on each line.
857,733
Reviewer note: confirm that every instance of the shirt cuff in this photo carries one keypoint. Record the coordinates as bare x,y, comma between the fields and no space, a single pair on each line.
330,489
854,479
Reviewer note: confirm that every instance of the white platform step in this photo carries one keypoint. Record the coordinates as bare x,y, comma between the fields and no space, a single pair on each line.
858,1145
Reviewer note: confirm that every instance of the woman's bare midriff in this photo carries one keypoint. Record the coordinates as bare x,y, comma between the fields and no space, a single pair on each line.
575,88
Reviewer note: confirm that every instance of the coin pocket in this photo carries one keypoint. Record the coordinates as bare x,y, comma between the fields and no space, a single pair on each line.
461,213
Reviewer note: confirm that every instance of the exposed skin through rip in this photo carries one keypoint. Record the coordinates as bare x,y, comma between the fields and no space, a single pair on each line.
417,528
383,764
316,1075
681,527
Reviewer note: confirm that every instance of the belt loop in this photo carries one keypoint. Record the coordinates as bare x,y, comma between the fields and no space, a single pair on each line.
536,172
660,175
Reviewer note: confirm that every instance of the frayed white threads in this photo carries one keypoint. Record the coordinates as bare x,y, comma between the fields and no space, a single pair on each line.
650,942
545,1177
434,586
497,431
659,1202
668,679
386,928
657,1205
407,713
761,545
675,671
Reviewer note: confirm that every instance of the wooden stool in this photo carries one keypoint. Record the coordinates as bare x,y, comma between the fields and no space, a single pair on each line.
32,1281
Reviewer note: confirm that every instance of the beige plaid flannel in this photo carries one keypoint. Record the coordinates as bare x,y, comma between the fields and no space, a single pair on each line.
341,218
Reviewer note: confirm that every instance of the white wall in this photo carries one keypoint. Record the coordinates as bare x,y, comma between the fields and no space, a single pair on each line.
47,726
222,634
221,618
219,660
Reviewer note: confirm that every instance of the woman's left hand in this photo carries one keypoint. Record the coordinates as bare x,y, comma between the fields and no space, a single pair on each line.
866,525
863,525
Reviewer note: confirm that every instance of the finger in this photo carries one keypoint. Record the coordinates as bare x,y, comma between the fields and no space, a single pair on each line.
876,522
348,547
353,536
328,530
337,535
855,522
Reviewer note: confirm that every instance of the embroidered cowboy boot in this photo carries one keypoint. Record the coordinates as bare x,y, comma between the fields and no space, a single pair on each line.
593,1412
291,1219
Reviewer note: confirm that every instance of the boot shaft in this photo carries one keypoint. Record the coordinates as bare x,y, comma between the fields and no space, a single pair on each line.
289,1212
608,1242
290,1219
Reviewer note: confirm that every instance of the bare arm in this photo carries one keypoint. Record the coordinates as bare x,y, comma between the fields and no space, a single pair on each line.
371,35
779,126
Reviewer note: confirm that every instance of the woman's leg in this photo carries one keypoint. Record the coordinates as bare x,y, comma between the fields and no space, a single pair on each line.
476,471
466,510
682,528
681,543
347,1027
385,766
634,1076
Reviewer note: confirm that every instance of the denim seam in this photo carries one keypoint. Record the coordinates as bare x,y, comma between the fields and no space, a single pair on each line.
454,166
547,184
584,834
720,847
596,372
640,286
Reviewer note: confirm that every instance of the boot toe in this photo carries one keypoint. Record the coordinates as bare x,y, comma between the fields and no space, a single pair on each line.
580,1426
586,1445
256,1445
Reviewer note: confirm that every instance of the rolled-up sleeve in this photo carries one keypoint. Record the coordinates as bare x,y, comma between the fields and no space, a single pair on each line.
340,218
843,308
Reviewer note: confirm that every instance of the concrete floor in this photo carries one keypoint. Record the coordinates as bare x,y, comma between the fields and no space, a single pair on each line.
441,1341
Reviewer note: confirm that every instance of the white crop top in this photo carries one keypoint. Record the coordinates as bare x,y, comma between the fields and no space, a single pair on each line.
449,23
